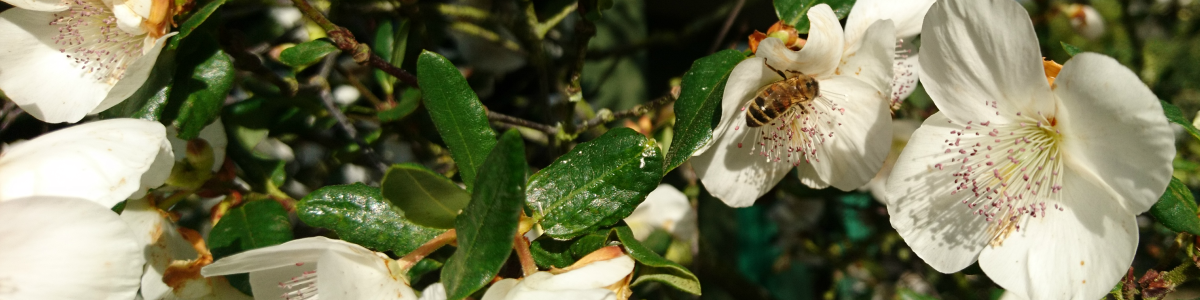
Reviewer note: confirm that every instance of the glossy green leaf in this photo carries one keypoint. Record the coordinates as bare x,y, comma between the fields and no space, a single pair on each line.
360,215
198,17
658,269
457,114
1071,49
391,42
407,104
488,224
700,97
1175,115
254,225
425,197
307,53
548,252
795,12
201,84
148,101
1176,209
596,184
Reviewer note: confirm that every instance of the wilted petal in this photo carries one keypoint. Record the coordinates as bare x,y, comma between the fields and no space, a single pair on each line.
104,161
1107,114
161,243
821,52
981,59
66,248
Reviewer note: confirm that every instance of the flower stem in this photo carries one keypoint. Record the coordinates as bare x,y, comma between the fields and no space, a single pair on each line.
523,254
409,260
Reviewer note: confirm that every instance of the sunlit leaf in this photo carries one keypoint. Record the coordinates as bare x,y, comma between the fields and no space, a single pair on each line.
202,82
702,88
457,114
1176,209
1175,115
360,215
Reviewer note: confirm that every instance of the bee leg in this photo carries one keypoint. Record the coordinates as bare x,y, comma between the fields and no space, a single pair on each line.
774,69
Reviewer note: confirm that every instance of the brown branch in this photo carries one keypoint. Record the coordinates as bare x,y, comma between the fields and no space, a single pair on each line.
344,40
604,116
522,247
503,118
411,259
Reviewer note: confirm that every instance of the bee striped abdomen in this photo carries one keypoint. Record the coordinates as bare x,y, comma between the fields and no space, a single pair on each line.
756,116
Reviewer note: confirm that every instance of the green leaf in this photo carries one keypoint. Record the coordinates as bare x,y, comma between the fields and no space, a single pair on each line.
360,215
596,8
657,269
254,225
488,224
548,252
307,53
198,17
457,114
1176,209
426,198
408,103
1071,49
795,12
201,84
148,101
597,184
391,42
1175,115
702,88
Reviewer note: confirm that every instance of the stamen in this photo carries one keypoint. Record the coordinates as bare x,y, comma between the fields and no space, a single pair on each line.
88,34
303,287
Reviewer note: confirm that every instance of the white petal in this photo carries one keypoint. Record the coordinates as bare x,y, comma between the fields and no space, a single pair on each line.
931,220
39,5
103,161
39,78
500,289
597,274
821,52
902,130
870,60
1079,253
978,53
861,128
161,244
213,134
128,20
663,208
435,291
906,14
301,251
905,73
1108,113
359,274
744,82
734,174
140,7
135,75
521,292
64,248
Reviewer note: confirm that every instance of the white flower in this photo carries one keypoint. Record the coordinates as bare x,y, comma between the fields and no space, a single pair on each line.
839,138
62,60
902,130
435,291
665,208
1085,20
104,161
1040,182
588,279
907,16
290,271
66,248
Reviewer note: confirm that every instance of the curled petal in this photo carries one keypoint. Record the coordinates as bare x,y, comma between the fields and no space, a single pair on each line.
906,14
104,161
66,248
820,54
922,208
980,60
1108,113
1078,253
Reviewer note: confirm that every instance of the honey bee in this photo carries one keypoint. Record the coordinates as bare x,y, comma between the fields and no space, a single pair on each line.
777,98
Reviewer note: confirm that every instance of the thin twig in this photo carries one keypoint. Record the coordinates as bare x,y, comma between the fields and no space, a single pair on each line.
344,40
411,259
503,118
362,89
342,121
605,116
521,245
737,8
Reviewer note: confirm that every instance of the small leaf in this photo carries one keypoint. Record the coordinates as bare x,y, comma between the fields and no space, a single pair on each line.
548,252
488,224
254,225
148,101
391,42
198,17
457,114
1175,115
597,184
657,269
1176,209
795,12
408,103
307,53
426,198
358,214
1071,49
702,88
201,85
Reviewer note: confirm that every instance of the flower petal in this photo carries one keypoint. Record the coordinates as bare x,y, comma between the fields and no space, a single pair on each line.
435,291
135,75
161,244
39,5
66,248
597,274
976,54
870,60
663,208
1108,113
905,73
923,210
214,134
821,53
1079,253
500,289
104,161
359,274
907,15
744,81
735,174
37,76
859,128
301,251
